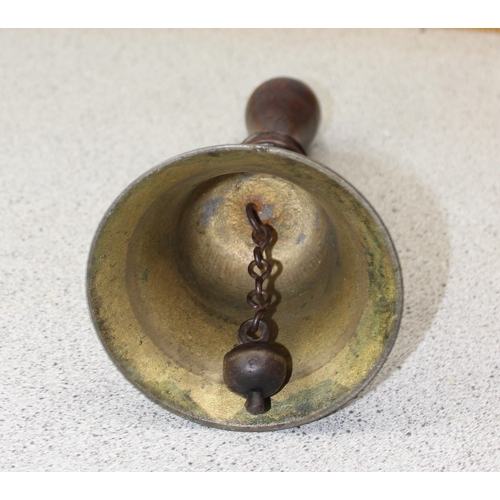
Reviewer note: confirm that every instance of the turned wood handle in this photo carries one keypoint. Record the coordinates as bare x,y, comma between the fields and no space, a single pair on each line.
282,112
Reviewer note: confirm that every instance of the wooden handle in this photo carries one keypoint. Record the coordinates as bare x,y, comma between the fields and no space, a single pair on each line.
282,112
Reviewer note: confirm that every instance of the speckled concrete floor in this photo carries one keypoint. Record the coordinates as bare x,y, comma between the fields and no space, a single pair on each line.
410,117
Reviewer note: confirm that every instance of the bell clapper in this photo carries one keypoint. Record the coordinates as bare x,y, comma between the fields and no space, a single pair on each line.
256,369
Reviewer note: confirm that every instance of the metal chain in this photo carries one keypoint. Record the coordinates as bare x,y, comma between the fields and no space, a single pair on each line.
258,299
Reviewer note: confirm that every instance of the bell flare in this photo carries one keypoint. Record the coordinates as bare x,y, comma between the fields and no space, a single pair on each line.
167,283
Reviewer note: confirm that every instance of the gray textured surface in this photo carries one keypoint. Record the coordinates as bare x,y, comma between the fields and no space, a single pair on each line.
410,117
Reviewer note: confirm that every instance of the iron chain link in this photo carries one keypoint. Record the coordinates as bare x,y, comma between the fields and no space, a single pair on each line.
258,299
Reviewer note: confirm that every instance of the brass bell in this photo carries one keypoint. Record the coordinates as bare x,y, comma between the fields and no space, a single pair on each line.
168,278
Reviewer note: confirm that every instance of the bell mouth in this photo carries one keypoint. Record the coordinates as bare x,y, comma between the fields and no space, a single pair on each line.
167,283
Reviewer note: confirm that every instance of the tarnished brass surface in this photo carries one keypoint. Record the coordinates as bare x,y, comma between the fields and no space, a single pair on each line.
167,282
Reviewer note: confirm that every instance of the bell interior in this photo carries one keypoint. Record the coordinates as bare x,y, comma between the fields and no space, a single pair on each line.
168,282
